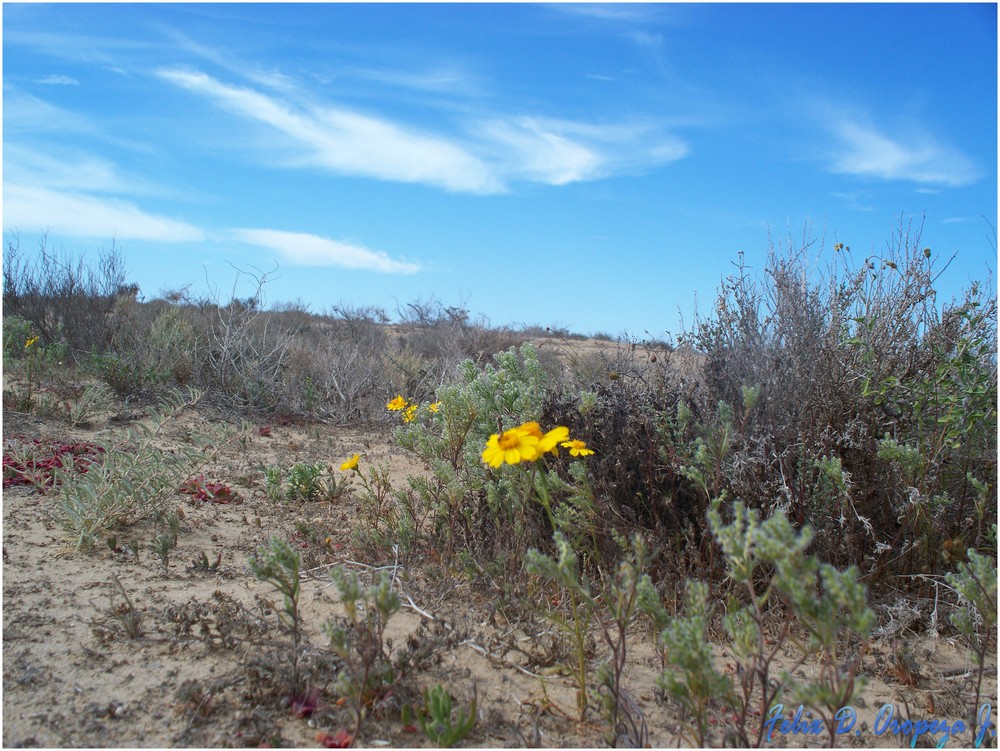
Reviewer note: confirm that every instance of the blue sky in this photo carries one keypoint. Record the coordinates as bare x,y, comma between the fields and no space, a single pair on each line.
593,167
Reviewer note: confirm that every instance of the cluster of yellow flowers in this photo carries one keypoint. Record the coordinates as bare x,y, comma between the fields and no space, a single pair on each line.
408,408
527,443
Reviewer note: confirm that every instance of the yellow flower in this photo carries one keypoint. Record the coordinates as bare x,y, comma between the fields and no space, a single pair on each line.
548,441
434,407
556,436
577,448
410,414
531,428
397,404
31,341
516,445
351,463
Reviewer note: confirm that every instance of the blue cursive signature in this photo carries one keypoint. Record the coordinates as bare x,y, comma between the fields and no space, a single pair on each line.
846,719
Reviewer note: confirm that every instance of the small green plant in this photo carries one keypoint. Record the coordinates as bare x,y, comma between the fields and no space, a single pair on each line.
690,677
133,481
975,582
194,701
274,483
166,540
307,483
381,519
161,545
125,613
24,347
622,593
440,723
826,604
279,565
360,641
575,617
202,564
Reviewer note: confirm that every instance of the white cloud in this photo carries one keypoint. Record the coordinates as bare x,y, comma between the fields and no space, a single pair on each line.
493,151
538,152
27,113
304,249
65,171
352,143
57,80
80,215
864,150
558,152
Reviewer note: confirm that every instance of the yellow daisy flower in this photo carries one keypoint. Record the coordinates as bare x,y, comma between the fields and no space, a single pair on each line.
577,448
350,464
397,404
434,407
556,436
513,446
410,414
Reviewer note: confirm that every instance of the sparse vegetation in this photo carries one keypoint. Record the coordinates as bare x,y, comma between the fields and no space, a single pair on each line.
769,512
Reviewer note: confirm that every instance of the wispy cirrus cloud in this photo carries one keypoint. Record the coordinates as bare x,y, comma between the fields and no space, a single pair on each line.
58,80
862,149
304,249
349,142
535,150
72,170
26,113
558,152
482,157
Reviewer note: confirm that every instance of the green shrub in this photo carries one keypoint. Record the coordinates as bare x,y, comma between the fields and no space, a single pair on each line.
480,510
133,479
124,373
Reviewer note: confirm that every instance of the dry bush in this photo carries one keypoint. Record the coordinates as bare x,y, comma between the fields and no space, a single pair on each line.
842,361
64,297
433,341
336,372
853,400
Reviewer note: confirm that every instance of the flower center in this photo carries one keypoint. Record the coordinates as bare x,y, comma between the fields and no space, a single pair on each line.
508,440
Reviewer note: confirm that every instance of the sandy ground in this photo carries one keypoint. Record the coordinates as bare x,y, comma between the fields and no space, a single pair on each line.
207,669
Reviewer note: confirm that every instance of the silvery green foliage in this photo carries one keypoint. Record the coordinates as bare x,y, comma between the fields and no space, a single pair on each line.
748,543
466,495
280,565
690,677
768,558
441,724
134,479
975,581
563,570
622,593
360,641
509,393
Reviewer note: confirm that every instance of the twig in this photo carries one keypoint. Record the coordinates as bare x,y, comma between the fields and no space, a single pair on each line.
495,658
